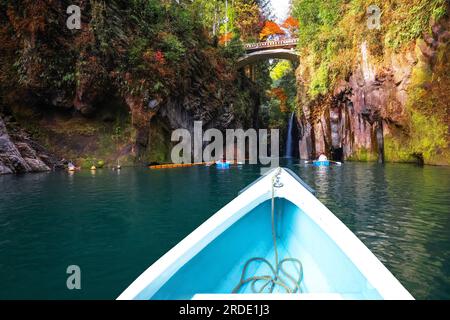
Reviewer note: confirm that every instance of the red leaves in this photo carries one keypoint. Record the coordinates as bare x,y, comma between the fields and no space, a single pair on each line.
159,57
152,57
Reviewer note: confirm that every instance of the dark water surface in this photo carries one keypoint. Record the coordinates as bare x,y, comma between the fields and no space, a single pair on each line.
114,225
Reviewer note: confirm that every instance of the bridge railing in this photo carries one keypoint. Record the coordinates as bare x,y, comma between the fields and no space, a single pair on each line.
270,44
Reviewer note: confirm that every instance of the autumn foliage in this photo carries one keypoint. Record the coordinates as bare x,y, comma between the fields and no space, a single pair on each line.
139,48
280,94
291,24
159,57
225,38
248,20
270,29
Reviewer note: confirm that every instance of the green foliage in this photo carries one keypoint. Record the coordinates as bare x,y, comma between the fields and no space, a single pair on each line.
320,38
283,76
408,20
143,47
136,54
173,48
159,149
316,19
58,72
147,15
427,106
427,137
281,69
139,49
428,134
277,119
234,49
364,155
100,164
331,32
89,162
319,84
438,11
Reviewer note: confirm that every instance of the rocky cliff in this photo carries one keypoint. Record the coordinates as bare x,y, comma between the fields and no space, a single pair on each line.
20,154
114,89
391,104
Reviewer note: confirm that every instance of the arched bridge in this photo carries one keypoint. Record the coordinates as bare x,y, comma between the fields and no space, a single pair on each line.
276,49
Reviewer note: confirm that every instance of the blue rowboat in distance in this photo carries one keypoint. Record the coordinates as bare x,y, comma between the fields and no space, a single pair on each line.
275,240
223,164
325,163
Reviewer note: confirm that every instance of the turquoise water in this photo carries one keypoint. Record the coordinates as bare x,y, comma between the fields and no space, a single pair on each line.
114,225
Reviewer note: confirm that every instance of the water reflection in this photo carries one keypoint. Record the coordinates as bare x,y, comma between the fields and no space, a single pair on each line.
401,212
114,224
322,179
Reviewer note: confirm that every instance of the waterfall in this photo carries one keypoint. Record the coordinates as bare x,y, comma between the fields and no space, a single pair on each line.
289,137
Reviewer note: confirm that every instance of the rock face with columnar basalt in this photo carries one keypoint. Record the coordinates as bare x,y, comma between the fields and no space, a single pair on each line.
394,109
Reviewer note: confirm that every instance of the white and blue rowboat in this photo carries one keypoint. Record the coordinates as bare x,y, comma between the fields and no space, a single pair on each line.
275,240
223,164
324,163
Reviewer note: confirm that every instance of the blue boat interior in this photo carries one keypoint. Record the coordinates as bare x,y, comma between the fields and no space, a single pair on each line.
217,269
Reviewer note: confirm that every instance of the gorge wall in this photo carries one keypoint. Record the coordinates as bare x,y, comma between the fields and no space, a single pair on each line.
115,89
371,101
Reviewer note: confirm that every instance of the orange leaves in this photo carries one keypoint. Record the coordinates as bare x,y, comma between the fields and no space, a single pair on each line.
225,38
280,94
270,29
291,24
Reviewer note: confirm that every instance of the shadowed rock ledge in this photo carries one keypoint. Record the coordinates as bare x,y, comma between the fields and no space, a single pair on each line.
19,154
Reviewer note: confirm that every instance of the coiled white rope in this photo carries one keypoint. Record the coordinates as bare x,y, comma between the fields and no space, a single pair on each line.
273,280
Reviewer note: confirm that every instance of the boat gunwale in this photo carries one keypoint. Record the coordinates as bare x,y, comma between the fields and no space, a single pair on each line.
196,241
376,273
